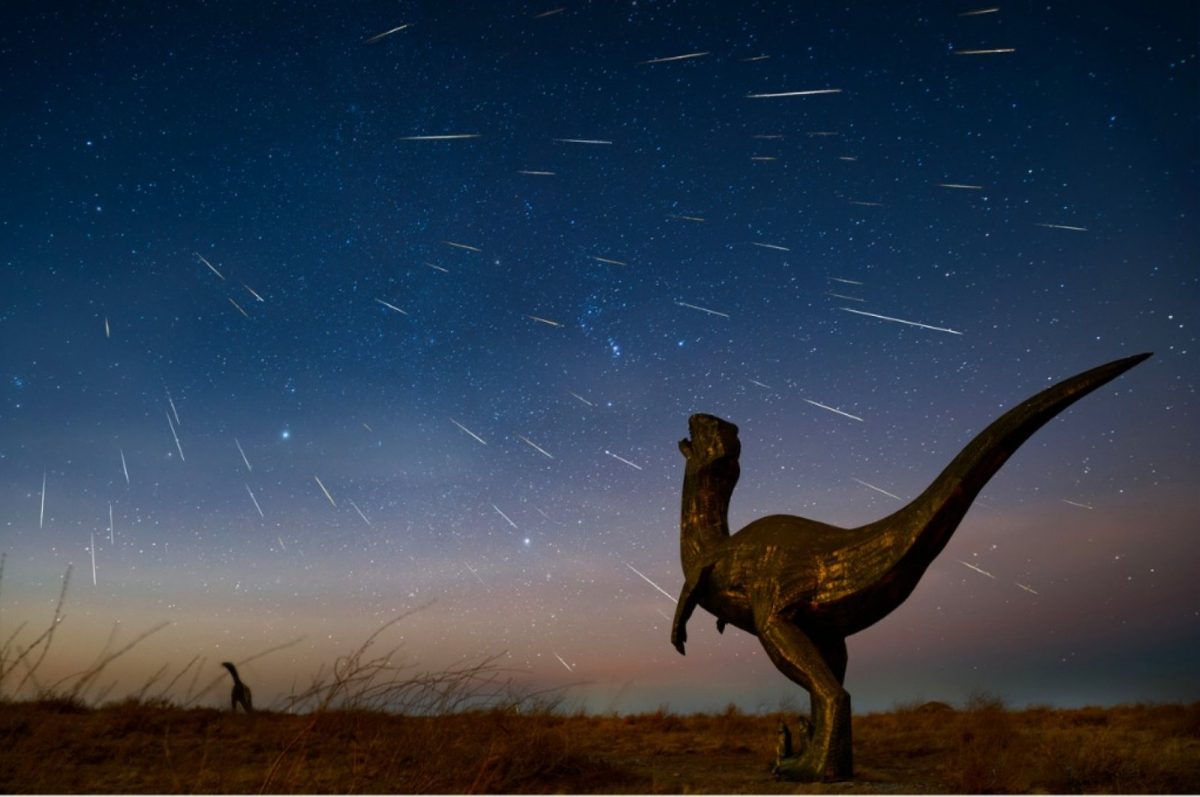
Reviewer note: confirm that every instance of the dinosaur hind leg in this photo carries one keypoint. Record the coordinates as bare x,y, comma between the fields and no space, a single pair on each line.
808,664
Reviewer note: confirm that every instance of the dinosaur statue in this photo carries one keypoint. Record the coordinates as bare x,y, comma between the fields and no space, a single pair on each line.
241,692
802,586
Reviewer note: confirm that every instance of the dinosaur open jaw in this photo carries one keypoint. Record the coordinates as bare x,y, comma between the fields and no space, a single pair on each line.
712,438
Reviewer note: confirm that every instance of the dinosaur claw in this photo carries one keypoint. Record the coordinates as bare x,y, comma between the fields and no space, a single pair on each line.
685,447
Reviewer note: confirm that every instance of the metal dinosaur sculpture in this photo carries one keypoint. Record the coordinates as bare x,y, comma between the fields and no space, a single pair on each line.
802,586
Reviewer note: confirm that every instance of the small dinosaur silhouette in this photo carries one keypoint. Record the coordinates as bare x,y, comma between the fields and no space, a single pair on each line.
802,586
240,693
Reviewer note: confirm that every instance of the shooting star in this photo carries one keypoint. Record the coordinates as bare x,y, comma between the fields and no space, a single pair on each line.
581,398
475,573
506,517
963,186
901,321
468,431
255,500
327,495
833,409
392,306
1027,588
550,13
538,448
679,217
1076,503
776,247
864,203
763,158
850,158
545,321
808,93
760,384
379,36
581,141
844,296
110,524
622,459
1061,227
360,513
821,133
280,539
124,469
213,268
683,57
993,51
253,292
877,489
107,331
438,268
238,306
536,173
92,548
42,513
702,309
440,137
468,247
979,11
176,436
976,569
754,58
174,411
563,663
243,453
845,281
609,260
651,583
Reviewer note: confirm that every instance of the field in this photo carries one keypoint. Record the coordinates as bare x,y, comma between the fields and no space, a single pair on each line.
61,746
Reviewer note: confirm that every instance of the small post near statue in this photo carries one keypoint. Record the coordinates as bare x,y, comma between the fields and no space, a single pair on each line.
802,586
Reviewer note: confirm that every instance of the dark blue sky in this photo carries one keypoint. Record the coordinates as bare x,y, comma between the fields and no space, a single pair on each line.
1033,209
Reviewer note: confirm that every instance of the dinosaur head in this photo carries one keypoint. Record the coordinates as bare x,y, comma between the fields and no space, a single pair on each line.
714,444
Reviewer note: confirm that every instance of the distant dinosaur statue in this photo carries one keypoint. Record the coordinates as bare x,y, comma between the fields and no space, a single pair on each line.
802,586
241,692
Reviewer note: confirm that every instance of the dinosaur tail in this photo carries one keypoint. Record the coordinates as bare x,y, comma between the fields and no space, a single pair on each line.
921,529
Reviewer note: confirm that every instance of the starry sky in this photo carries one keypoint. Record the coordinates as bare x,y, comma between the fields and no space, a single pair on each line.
325,369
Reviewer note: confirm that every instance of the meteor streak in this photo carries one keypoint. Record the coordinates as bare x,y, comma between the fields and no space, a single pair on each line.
107,331
808,93
474,572
994,51
845,281
901,321
42,513
1061,227
760,384
581,398
255,500
866,204
468,431
468,247
253,292
833,409
392,306
545,321
124,469
176,436
976,569
541,450
92,548
536,173
1027,589
771,246
174,411
506,517
438,268
609,260
581,141
440,137
627,462
327,495
651,583
550,13
683,218
243,453
239,307
110,523
961,185
1076,503
702,309
844,296
360,513
683,57
877,489
379,36
563,663
977,13
210,265
754,58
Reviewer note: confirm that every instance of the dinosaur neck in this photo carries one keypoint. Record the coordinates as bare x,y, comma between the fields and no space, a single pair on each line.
916,534
704,517
233,671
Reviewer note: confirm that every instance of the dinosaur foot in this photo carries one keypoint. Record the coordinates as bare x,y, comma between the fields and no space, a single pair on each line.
795,757
802,768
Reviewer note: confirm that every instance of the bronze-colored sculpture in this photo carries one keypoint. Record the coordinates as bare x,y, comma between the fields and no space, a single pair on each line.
802,586
240,695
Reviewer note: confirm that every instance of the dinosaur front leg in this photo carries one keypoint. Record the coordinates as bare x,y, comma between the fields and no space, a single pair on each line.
801,659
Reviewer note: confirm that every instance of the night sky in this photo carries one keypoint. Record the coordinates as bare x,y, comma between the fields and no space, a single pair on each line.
325,370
